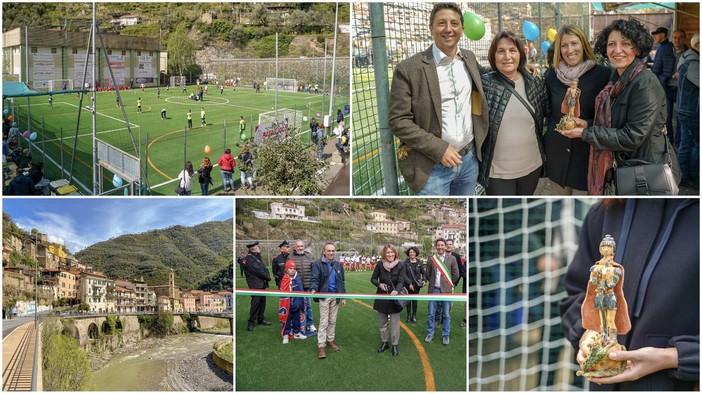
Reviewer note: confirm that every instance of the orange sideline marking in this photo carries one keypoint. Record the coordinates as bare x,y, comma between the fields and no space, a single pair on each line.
428,374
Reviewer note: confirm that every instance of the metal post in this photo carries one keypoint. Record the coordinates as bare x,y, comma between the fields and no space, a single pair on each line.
380,71
324,80
225,132
94,102
331,89
61,149
35,367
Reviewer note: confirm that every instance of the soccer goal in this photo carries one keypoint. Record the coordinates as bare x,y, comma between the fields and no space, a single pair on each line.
177,81
282,83
57,85
519,254
277,123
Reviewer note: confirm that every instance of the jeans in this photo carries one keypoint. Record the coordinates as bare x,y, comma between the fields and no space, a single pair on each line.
453,181
293,322
309,320
670,94
689,151
205,188
320,154
446,308
227,179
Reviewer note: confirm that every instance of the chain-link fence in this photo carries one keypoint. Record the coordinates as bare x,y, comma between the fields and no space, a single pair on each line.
406,32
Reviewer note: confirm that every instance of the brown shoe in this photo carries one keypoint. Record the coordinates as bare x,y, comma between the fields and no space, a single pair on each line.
321,353
332,346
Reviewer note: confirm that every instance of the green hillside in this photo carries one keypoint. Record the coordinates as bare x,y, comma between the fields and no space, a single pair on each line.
198,255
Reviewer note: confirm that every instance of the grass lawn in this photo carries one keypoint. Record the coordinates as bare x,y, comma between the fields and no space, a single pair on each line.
264,363
168,144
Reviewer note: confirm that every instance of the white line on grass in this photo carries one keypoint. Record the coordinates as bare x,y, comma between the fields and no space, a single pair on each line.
87,134
108,116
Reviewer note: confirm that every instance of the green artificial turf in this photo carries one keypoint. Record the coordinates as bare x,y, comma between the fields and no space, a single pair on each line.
264,363
165,141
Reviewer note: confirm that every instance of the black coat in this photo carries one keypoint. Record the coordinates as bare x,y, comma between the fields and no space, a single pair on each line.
278,267
204,175
257,276
638,118
395,279
415,273
567,158
497,98
670,303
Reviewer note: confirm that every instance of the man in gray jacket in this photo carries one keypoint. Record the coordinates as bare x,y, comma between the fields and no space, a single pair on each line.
439,112
303,260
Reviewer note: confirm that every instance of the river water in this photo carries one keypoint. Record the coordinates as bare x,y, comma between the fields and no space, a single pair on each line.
175,363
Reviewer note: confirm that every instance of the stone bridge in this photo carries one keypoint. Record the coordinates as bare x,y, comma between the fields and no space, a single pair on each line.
86,328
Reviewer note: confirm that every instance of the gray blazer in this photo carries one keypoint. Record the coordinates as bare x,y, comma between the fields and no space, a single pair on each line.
415,114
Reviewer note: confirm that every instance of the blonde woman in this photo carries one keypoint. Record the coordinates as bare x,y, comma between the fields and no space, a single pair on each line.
390,278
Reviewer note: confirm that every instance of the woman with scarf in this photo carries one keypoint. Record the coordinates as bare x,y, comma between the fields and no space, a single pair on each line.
630,111
573,59
390,277
415,274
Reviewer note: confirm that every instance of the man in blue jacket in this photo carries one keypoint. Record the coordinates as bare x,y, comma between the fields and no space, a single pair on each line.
664,68
327,277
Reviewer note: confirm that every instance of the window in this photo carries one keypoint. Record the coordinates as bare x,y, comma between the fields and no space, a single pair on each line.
53,50
124,53
74,51
151,53
33,49
109,51
138,53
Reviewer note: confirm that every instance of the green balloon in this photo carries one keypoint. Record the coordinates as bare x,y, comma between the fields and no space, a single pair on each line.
242,136
473,26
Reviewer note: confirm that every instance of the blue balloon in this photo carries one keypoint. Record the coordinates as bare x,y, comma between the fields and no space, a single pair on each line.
544,46
117,181
530,30
33,136
5,111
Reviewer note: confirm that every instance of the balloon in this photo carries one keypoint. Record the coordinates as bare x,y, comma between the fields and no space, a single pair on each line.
25,134
33,136
5,111
242,136
530,30
473,26
116,181
552,34
304,119
11,118
544,46
126,191
318,115
207,149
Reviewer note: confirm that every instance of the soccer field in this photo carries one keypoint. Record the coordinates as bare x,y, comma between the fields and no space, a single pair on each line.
163,145
264,363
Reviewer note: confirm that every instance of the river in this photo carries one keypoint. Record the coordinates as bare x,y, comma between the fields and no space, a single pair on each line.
175,363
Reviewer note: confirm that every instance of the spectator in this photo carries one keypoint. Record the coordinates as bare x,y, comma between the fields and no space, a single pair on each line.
257,277
185,179
390,277
320,141
291,282
664,68
278,264
327,277
688,106
25,159
339,116
226,164
21,185
205,176
246,168
442,271
415,273
303,261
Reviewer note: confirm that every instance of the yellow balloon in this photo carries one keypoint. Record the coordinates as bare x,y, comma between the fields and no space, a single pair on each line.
552,34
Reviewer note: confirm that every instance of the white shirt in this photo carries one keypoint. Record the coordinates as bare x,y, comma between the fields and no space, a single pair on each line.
455,85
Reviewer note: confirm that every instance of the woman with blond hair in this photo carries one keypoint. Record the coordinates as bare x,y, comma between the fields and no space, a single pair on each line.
204,177
390,278
573,60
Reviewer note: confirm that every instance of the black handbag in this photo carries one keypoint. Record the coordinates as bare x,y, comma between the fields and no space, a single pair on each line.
641,178
401,303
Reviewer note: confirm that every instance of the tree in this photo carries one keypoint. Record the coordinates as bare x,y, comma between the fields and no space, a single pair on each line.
259,16
181,51
288,166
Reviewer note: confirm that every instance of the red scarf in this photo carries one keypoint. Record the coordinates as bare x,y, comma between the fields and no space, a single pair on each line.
602,161
284,302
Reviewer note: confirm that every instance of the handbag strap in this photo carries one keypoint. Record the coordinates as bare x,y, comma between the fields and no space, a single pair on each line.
518,96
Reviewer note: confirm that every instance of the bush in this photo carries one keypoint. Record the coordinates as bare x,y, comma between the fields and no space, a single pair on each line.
65,366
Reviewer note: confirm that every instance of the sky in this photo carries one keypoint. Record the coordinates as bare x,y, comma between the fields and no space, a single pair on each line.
80,222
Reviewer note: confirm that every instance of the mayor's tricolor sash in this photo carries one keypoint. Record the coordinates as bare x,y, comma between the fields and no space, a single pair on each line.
439,264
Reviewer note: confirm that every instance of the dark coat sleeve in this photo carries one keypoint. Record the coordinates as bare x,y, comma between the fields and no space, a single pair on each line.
375,277
315,276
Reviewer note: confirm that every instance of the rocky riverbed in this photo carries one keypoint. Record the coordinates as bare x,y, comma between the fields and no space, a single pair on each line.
178,363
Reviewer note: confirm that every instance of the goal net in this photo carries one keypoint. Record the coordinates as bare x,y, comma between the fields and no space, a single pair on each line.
58,85
177,81
281,83
519,252
277,124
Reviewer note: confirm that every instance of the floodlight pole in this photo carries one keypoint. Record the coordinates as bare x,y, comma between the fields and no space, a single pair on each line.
92,38
331,90
276,77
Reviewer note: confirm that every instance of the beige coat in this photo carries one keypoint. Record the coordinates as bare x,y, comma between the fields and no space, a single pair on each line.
415,114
